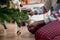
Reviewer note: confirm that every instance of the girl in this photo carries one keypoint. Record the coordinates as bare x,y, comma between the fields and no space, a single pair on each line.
55,15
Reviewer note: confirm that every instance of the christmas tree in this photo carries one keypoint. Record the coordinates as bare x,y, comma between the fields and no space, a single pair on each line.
11,14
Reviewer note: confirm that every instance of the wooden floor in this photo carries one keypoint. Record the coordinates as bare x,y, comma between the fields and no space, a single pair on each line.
25,35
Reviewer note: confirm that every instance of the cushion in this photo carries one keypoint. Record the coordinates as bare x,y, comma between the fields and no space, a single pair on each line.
57,38
48,31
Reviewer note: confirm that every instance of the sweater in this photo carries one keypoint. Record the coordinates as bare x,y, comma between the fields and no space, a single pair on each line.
55,14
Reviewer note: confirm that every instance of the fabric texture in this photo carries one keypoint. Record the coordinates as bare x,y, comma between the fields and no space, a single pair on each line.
57,38
49,31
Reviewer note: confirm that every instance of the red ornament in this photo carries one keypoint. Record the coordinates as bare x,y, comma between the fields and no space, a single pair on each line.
21,5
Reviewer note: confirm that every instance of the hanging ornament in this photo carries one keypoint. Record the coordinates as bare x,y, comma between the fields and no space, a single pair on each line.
21,5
